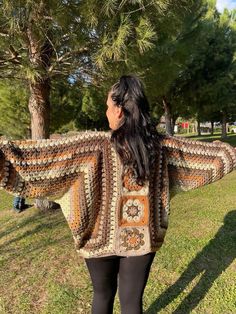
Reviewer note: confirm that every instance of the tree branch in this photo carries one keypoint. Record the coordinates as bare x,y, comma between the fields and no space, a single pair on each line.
13,60
66,57
143,7
4,34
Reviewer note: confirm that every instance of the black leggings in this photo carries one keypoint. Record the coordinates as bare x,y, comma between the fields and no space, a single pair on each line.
132,273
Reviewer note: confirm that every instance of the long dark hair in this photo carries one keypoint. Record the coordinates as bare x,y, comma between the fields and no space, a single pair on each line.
136,140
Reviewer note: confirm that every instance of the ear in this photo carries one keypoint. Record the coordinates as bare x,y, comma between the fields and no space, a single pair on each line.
120,112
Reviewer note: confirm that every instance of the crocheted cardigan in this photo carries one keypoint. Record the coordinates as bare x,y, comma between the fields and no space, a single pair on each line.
109,215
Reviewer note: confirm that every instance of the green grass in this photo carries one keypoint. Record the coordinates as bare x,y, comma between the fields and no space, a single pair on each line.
231,138
194,272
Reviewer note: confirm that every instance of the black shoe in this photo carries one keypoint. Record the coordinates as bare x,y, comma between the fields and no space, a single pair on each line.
25,206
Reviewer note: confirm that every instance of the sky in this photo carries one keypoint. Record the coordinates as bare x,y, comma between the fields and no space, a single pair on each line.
229,4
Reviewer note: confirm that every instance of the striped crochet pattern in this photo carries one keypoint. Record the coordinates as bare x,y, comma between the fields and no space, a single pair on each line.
109,214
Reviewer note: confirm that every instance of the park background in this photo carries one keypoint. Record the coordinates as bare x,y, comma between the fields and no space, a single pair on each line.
58,59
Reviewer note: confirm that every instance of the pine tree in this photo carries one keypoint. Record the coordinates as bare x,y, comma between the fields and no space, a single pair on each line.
45,40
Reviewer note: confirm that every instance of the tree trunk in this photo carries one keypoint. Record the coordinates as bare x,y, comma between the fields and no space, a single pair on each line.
39,107
40,54
198,128
174,119
224,125
39,102
212,127
168,118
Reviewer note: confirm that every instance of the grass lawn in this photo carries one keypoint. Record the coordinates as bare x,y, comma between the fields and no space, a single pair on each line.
231,138
194,272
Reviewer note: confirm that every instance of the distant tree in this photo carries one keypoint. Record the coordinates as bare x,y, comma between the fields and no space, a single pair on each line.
207,86
166,65
14,114
66,100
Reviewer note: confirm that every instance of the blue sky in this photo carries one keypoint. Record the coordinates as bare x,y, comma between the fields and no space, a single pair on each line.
229,4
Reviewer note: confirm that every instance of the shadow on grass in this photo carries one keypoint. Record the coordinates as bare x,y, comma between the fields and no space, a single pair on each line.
210,263
37,218
11,248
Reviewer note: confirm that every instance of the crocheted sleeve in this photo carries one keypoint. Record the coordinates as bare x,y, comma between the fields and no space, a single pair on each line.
192,164
39,168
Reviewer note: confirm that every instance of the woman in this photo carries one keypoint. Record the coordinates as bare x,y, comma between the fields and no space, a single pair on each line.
113,189
136,142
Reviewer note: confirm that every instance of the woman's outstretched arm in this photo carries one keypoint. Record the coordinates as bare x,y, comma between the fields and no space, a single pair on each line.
192,164
39,168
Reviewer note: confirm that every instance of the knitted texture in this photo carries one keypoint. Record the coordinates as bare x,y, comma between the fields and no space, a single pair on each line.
108,214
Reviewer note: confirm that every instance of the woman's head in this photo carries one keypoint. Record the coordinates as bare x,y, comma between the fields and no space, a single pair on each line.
127,104
134,136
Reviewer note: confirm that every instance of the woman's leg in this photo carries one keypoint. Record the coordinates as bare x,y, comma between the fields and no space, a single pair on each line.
103,272
133,276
